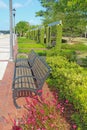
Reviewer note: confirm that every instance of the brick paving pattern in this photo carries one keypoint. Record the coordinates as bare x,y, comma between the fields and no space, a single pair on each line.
7,108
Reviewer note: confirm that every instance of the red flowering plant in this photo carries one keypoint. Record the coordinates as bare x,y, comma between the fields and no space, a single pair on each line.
41,114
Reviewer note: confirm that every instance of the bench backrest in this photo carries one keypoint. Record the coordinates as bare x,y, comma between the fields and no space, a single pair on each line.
40,70
31,56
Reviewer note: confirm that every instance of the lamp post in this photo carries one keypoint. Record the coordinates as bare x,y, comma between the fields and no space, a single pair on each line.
11,35
14,25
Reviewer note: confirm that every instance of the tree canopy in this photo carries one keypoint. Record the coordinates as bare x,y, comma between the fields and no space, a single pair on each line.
72,13
22,27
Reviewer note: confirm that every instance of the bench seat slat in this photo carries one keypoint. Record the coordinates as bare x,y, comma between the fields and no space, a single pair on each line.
25,83
22,62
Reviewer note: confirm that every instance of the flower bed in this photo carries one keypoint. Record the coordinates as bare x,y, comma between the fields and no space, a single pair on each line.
42,114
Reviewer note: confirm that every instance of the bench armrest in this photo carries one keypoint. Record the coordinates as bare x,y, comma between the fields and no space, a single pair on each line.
23,55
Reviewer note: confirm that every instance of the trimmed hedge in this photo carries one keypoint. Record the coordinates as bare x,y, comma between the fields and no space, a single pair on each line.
42,30
58,37
71,80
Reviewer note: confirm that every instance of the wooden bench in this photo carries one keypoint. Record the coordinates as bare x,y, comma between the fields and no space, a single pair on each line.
25,61
28,80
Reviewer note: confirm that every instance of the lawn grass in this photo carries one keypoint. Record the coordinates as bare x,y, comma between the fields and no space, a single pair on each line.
75,47
25,45
25,40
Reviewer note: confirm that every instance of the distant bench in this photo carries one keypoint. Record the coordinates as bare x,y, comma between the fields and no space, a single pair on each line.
29,76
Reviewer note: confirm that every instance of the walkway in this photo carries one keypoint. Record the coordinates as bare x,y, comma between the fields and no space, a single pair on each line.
4,53
7,108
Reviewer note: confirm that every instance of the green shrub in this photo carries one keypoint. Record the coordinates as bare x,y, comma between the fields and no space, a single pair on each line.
69,78
84,61
69,54
75,47
52,52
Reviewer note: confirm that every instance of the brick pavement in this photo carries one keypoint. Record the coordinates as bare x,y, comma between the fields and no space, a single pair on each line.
7,108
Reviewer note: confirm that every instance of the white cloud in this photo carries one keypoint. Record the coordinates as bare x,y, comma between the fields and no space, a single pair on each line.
17,5
2,4
34,21
27,2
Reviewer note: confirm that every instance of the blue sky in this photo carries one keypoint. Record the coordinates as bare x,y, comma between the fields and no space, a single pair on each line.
25,11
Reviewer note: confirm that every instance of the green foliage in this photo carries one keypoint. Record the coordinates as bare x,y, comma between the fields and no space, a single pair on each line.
22,27
24,45
75,47
24,40
72,13
84,61
32,45
42,31
47,36
70,79
47,13
58,37
69,54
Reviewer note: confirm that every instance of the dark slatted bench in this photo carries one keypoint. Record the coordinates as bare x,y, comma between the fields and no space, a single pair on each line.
29,80
26,61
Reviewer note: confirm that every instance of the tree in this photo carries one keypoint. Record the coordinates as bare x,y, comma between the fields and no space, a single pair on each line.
48,12
22,27
72,13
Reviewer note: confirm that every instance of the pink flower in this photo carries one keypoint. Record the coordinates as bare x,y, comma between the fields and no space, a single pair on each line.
42,112
66,101
27,100
16,128
45,118
59,105
74,126
47,94
52,125
51,116
62,109
39,91
55,95
35,102
54,101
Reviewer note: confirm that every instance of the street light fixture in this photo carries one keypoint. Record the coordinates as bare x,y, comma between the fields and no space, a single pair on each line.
14,25
11,34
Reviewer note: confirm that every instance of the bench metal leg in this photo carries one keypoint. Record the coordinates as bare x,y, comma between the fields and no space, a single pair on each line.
15,103
14,100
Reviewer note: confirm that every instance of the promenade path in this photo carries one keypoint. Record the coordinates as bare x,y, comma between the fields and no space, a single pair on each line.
4,53
7,108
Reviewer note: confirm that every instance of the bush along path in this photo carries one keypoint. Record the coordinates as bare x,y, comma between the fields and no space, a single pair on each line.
71,81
